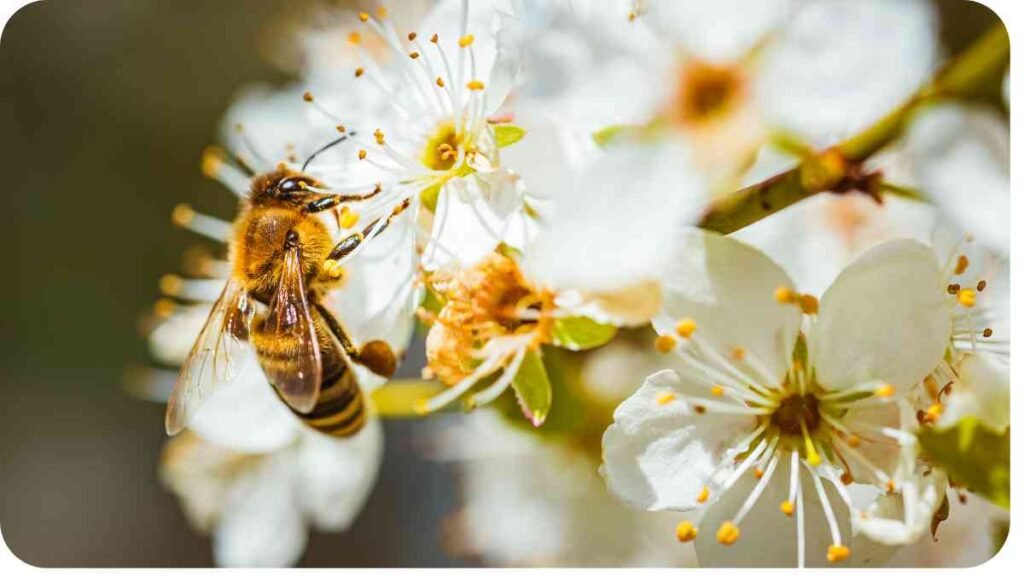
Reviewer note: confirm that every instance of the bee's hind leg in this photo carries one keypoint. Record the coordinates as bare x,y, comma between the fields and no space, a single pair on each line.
349,243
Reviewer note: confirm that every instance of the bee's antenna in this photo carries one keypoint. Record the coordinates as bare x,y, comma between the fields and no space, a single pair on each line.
327,146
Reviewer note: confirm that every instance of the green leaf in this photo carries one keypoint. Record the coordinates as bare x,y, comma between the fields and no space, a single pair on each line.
507,134
581,333
533,388
974,457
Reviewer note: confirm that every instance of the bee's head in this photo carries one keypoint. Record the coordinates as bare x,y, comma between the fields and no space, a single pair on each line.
282,185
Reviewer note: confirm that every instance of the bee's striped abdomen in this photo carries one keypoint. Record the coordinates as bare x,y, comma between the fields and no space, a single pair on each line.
339,409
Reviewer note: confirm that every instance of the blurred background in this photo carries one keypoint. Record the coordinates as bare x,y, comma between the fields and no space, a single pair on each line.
106,106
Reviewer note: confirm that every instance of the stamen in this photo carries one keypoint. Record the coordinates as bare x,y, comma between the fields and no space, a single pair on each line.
755,494
787,507
686,327
466,40
665,398
801,530
808,304
665,343
885,391
838,553
826,506
703,496
785,295
728,533
348,218
208,226
686,531
961,265
354,37
475,85
966,298
981,285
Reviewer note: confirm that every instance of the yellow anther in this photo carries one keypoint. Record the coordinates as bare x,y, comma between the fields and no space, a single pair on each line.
307,96
665,398
728,533
853,440
348,218
758,472
808,304
838,553
182,214
171,284
434,38
686,531
354,38
717,390
363,16
466,40
213,159
382,12
475,85
414,54
966,297
334,269
439,82
359,72
890,487
703,496
378,135
362,154
784,295
885,391
632,16
164,307
664,343
738,353
787,507
933,412
686,327
961,265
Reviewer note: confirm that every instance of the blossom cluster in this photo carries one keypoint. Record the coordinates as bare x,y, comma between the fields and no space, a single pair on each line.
724,282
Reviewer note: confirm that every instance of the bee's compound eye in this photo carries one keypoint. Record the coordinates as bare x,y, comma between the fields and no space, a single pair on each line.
290,186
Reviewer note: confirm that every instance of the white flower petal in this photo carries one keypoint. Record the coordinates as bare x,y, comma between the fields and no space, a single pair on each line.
246,415
172,340
336,476
728,288
960,155
983,392
615,227
261,524
466,225
839,65
886,317
661,455
715,29
903,518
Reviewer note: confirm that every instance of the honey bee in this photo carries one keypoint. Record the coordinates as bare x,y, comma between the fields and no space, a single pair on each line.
283,260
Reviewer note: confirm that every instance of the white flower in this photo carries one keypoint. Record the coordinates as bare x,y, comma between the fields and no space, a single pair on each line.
421,126
960,158
761,417
257,506
527,500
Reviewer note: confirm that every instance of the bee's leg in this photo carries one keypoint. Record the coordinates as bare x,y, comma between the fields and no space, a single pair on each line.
376,355
375,228
328,202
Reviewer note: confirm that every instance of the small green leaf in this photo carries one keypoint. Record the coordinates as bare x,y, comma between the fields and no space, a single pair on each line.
507,134
533,388
974,456
581,333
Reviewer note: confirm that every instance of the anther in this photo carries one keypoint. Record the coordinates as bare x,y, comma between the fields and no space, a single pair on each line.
787,507
853,440
966,297
758,472
664,343
434,38
475,85
362,154
933,412
665,398
986,333
212,160
171,284
182,214
728,533
686,327
360,72
382,12
738,353
414,55
378,135
363,16
439,82
703,496
340,128
686,531
953,288
348,218
784,295
961,265
981,285
466,40
717,390
838,553
411,36
164,307
354,38
885,391
808,304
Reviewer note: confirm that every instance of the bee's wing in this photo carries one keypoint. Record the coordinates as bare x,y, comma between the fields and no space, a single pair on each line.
296,371
214,357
